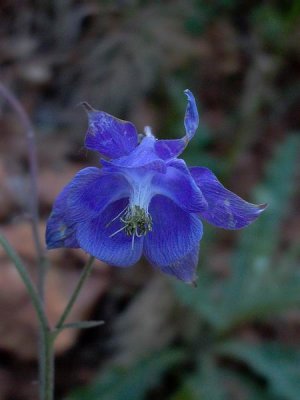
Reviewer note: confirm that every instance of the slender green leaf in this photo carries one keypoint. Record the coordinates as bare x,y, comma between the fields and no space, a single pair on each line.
82,325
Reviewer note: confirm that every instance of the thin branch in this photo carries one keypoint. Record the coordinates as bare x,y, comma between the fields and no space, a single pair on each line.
84,275
38,306
25,121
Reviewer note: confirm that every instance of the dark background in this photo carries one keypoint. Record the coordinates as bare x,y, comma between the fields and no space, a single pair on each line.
236,336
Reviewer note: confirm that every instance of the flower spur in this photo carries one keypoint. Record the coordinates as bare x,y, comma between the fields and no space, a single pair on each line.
144,200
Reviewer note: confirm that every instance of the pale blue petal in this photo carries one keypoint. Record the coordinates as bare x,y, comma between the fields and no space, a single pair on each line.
184,268
88,193
167,149
175,233
180,187
110,136
225,209
142,158
94,236
191,119
60,230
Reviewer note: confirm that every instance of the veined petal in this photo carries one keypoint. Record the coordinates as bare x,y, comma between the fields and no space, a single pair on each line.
143,157
88,193
92,190
170,148
167,149
60,230
191,119
174,234
179,164
98,237
181,188
225,209
184,268
110,136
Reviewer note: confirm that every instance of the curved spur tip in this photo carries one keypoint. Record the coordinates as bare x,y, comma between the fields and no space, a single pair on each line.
87,107
193,282
188,93
262,207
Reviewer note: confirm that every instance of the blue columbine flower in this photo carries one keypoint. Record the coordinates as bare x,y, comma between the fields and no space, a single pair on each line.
144,200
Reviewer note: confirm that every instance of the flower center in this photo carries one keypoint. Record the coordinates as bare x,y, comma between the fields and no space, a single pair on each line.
137,221
135,218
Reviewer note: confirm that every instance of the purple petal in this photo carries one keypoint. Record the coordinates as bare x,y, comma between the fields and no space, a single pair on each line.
110,136
167,149
143,157
175,233
184,268
60,230
181,188
179,164
92,190
88,193
225,209
94,237
191,119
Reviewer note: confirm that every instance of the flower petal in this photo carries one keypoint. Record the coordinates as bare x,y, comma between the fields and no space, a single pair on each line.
92,190
175,233
88,193
110,136
184,268
143,157
181,188
225,209
167,149
191,119
60,231
95,237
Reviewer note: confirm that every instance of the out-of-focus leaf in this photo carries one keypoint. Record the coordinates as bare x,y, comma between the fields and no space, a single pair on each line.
213,381
259,241
245,387
132,383
82,325
277,364
205,383
258,285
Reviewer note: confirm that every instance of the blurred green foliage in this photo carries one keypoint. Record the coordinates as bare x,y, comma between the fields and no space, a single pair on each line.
120,383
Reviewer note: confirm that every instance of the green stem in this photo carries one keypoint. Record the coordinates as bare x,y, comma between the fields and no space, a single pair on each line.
33,169
34,212
47,386
48,336
46,341
84,275
37,304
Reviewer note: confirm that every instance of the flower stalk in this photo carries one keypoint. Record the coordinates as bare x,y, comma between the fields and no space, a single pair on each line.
84,275
47,334
33,169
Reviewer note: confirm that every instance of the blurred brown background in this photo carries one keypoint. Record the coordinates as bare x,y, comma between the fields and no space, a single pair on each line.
237,335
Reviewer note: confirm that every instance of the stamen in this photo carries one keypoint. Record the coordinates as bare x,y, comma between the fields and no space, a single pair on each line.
119,230
110,222
136,221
